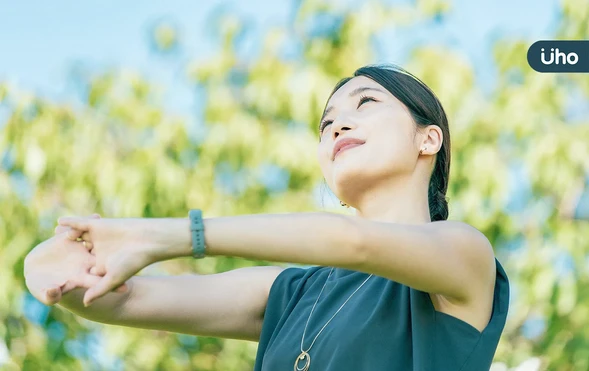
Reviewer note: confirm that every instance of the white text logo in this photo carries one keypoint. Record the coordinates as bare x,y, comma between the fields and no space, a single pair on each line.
558,57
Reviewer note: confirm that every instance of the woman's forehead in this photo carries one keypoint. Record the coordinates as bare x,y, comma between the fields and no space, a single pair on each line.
355,84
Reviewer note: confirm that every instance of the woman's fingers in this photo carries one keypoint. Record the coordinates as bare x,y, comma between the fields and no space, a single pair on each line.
87,281
75,222
100,270
68,286
86,243
52,295
104,286
122,289
97,272
74,234
85,236
83,281
43,287
77,235
78,225
60,229
65,226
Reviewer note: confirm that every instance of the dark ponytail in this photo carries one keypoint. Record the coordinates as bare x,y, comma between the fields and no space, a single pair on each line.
438,204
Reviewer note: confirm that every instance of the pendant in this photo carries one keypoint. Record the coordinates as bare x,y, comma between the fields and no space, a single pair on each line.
300,358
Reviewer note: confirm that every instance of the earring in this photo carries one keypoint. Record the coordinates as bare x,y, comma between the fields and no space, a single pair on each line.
343,204
421,150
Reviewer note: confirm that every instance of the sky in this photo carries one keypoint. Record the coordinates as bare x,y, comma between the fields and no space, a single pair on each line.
40,42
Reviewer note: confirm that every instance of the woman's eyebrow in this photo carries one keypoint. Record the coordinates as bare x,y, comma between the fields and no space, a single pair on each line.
363,89
352,94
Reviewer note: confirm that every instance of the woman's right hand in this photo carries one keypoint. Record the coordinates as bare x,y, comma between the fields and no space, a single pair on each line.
57,266
124,246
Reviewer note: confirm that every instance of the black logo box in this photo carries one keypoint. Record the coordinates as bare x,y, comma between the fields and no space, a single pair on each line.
558,56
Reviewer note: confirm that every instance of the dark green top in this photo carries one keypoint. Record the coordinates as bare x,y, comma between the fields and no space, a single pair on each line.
384,326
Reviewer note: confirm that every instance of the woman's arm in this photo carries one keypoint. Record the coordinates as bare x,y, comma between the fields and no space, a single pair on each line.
305,238
124,246
448,258
228,305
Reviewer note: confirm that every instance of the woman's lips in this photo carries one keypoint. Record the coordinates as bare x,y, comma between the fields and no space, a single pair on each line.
347,146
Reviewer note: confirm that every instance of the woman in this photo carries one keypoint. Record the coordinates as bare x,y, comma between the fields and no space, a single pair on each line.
395,287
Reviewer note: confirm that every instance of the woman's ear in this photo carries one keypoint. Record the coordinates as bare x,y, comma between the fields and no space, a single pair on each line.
432,139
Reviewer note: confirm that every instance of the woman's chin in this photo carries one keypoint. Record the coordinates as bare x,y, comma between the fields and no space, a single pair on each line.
348,172
348,162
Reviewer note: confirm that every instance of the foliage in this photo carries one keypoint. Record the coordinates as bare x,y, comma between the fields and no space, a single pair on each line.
516,152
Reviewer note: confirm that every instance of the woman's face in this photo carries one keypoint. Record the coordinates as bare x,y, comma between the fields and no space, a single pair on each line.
363,110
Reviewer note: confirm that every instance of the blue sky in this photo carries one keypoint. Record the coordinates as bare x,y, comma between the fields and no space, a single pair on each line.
41,41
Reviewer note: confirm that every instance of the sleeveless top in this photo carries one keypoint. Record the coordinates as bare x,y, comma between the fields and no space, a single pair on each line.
384,326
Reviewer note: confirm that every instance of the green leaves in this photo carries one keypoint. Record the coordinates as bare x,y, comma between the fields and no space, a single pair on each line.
515,157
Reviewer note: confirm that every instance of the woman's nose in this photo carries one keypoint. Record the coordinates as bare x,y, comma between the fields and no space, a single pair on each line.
340,124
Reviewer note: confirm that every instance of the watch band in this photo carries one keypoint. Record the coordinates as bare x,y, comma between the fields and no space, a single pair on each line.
197,229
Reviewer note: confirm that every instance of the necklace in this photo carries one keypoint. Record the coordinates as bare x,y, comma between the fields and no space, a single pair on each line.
305,353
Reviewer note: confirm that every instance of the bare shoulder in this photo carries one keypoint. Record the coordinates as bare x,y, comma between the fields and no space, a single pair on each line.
478,254
471,242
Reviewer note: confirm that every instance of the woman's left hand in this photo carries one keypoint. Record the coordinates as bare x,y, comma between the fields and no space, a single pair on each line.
122,248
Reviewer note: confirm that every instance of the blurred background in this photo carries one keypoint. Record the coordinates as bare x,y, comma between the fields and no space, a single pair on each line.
148,109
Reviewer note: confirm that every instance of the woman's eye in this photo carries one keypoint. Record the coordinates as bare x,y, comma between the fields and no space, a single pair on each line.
364,100
324,124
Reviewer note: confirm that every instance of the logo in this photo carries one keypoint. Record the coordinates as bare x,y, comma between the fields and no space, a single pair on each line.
571,58
559,56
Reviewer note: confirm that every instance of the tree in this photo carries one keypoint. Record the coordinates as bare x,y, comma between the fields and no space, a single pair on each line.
121,154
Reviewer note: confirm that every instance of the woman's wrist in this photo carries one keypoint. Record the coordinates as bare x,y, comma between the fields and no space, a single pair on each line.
172,238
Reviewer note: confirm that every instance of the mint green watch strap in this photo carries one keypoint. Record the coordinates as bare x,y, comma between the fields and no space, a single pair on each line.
198,237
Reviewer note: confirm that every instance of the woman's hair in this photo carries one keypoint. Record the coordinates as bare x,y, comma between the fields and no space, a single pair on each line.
425,109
